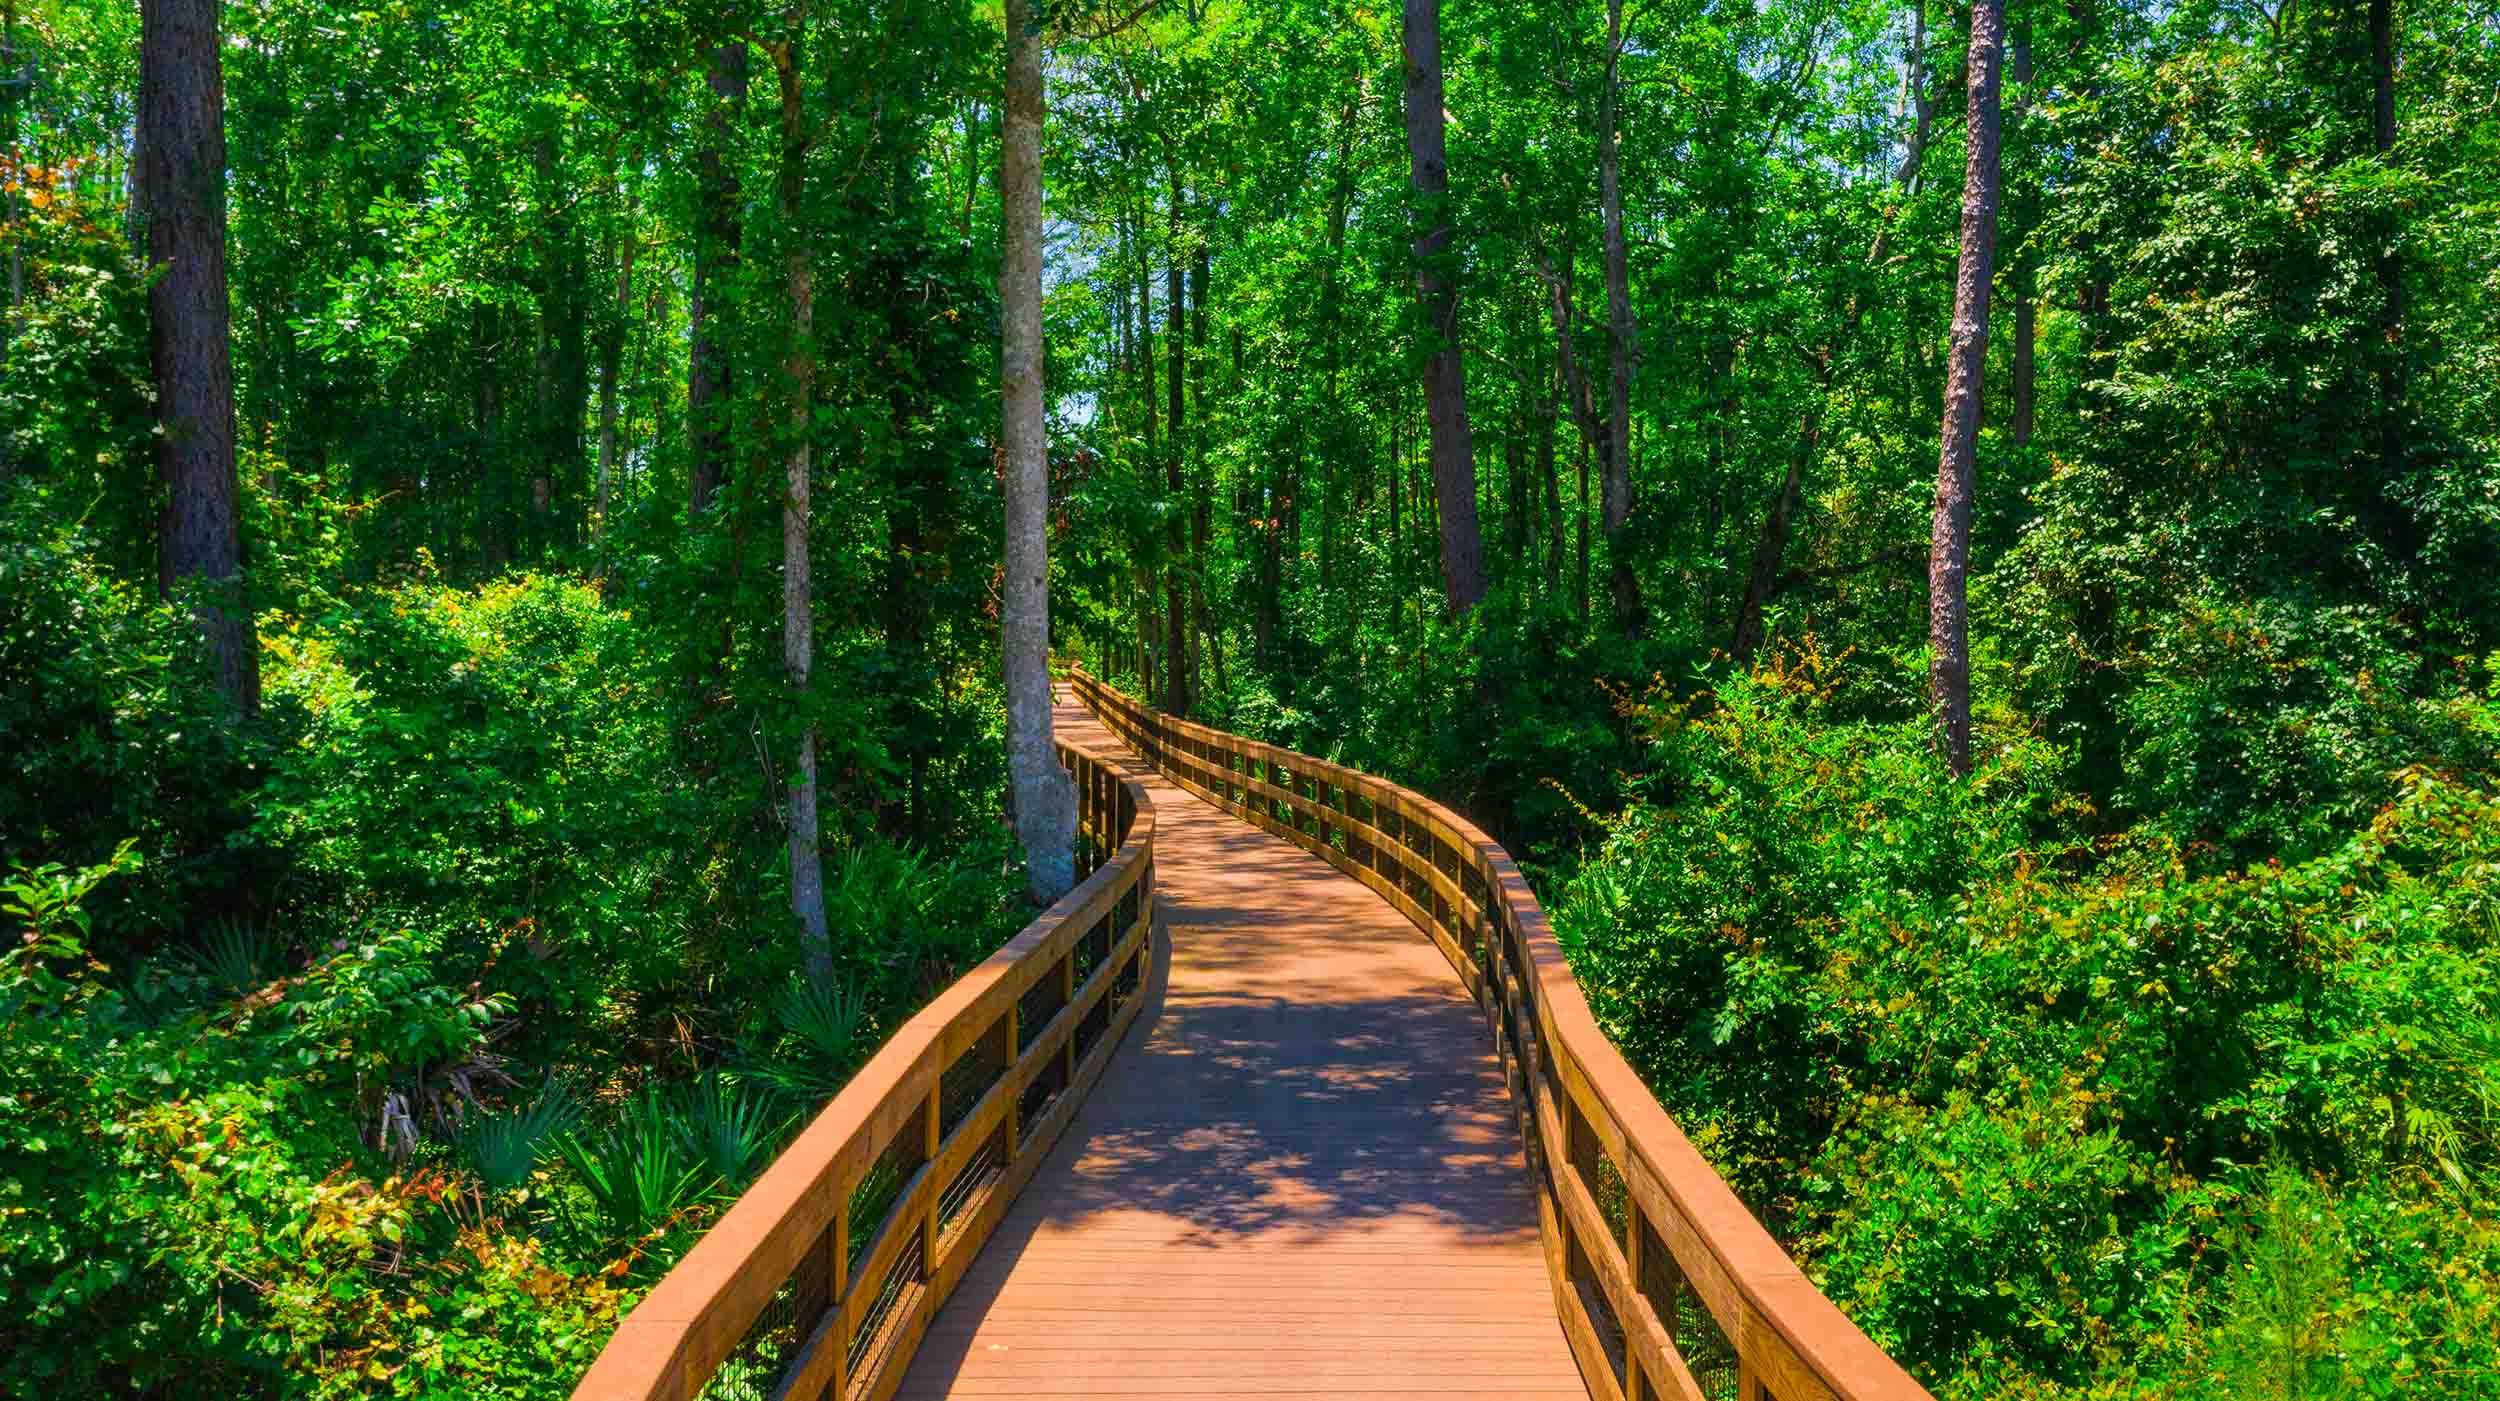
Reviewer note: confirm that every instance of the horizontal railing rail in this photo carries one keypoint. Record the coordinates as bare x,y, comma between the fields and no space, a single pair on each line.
821,1279
1666,1285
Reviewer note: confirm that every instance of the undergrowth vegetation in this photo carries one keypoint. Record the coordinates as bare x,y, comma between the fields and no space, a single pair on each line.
2053,1110
393,1046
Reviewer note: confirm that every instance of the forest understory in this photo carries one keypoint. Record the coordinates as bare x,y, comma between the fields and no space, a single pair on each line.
1959,542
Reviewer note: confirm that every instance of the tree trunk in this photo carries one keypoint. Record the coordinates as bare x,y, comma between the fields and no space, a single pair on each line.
1948,560
1583,541
611,365
2392,386
798,605
1202,513
182,182
1045,798
2022,285
715,264
1176,473
1148,377
1545,447
1763,578
1445,375
1622,346
1922,105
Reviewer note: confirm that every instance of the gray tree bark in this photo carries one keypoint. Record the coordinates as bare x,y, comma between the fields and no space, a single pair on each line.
798,604
1948,555
1436,285
1044,795
182,187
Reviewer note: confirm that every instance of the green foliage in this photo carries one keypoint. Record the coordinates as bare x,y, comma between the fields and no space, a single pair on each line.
637,1170
76,402
825,1033
504,1147
729,1129
2050,1073
2007,1089
111,733
266,1149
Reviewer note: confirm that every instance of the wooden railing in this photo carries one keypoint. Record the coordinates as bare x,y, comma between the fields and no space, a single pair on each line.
820,1281
1666,1285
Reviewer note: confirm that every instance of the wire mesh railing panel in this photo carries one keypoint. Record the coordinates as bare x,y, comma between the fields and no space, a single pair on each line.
1092,947
872,1201
880,1324
1600,1312
1040,1003
968,1079
972,1181
1091,1026
1042,1091
753,1370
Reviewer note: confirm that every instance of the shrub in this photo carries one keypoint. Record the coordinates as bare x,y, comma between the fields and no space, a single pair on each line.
2035,1111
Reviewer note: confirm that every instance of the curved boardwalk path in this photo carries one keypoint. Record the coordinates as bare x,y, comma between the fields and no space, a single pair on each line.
1305,1181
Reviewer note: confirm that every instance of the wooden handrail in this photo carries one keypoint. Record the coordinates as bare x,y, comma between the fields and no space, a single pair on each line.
821,1279
1666,1285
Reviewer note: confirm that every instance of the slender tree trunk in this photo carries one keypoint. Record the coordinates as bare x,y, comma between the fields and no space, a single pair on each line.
14,79
1147,375
798,604
2022,285
1583,542
611,365
715,264
1176,471
2392,387
1763,578
1545,449
1202,513
1445,375
1622,336
1045,798
1948,561
1922,103
182,181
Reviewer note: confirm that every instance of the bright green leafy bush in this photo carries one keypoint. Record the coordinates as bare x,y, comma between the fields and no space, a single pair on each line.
422,1106
2034,1109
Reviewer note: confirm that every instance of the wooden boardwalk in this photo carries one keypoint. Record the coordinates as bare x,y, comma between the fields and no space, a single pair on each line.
1302,1181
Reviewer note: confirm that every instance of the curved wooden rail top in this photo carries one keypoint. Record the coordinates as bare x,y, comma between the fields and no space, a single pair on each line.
821,1279
1665,1284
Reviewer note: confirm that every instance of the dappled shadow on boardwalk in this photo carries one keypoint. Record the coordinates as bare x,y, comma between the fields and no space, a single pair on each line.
1301,1175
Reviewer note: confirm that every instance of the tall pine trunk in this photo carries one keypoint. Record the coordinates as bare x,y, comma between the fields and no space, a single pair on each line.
798,604
1436,285
182,187
1622,345
1044,796
1175,473
1948,557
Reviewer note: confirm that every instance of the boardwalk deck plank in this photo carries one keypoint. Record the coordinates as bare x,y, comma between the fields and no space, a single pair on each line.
1302,1181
